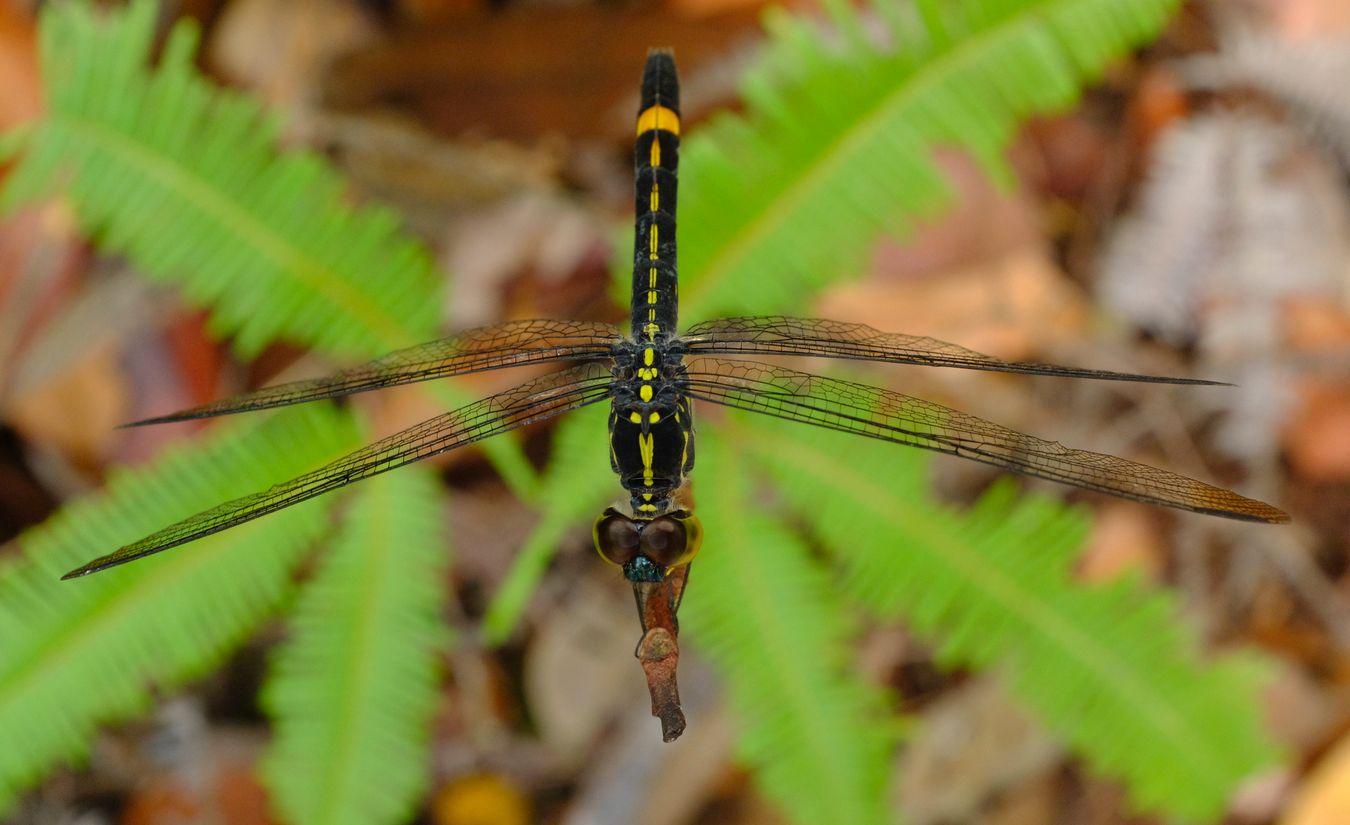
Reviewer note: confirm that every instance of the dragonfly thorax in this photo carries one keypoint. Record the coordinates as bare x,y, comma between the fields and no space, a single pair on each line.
650,425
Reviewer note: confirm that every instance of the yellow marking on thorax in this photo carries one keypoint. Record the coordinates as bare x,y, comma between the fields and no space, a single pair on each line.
645,392
658,117
635,417
647,449
655,418
648,356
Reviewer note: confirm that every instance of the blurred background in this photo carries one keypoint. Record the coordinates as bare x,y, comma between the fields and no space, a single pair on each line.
1187,214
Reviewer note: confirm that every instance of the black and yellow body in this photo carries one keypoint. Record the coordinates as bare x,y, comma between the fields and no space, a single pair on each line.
651,426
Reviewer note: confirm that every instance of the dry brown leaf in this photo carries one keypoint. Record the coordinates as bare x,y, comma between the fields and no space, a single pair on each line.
1124,540
550,70
423,12
20,93
712,8
1324,799
579,671
1317,436
972,745
78,411
1017,306
282,48
1159,102
1309,19
1315,325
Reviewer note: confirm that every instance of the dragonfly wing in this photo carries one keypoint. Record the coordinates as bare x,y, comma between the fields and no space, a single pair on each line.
511,344
902,419
536,400
779,335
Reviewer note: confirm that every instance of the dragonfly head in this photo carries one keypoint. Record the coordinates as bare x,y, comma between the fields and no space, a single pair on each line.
647,549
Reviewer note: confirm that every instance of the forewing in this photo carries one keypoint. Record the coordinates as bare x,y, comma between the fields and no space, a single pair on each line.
890,416
512,344
536,400
779,335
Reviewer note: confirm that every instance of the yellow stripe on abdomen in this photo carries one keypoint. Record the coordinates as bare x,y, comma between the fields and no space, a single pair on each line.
658,117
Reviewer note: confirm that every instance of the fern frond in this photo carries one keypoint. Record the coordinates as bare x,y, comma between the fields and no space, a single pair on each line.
770,619
353,691
785,199
185,179
74,655
574,489
1107,668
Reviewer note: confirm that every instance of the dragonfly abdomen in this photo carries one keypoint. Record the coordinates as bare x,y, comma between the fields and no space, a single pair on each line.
656,159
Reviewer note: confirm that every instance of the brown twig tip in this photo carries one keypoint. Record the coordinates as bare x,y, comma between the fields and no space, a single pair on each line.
659,654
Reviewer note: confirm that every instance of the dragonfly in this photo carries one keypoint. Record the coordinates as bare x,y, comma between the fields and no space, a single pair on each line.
651,378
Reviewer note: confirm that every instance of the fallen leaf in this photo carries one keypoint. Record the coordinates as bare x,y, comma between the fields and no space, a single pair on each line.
78,412
482,799
1324,799
970,746
21,93
580,671
1317,434
1013,307
282,48
1124,540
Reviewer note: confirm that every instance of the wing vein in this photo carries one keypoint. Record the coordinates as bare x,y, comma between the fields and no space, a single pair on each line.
512,344
890,416
815,337
536,400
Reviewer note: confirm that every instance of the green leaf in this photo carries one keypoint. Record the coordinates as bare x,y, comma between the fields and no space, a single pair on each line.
1110,669
185,179
770,619
837,142
353,692
82,653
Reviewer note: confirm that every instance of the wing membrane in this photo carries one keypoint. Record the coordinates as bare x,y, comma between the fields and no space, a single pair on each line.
536,400
511,344
902,419
779,335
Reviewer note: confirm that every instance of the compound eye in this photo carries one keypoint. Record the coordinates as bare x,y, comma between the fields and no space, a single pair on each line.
616,537
672,540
